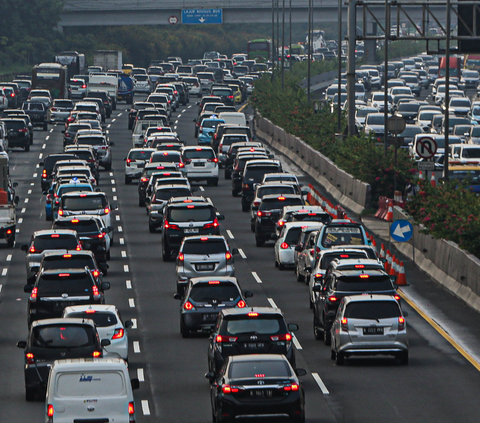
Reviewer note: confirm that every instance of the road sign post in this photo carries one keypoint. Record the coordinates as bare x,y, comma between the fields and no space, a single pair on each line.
426,148
202,16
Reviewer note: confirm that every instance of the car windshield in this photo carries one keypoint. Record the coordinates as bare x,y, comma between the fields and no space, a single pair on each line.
93,202
205,247
471,175
411,131
81,226
375,119
75,261
206,292
191,214
342,235
252,369
63,336
368,283
55,242
372,310
257,325
101,318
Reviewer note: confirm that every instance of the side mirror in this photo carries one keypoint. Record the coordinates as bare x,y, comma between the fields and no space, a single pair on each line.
393,278
298,247
21,344
292,327
24,247
41,164
177,296
15,184
105,342
235,251
28,289
114,206
210,376
135,383
111,143
300,372
128,324
63,131
317,288
105,286
16,200
248,294
220,216
194,120
45,192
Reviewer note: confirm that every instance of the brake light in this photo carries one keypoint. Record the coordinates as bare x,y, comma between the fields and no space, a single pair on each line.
221,339
128,162
106,210
241,304
214,282
79,247
359,266
344,324
84,86
74,221
23,130
364,276
97,354
95,292
50,410
131,408
101,235
32,249
284,246
33,295
281,223
318,277
397,297
181,165
252,314
332,299
259,213
228,255
171,226
55,236
96,273
401,323
256,203
118,333
285,337
188,306
64,275
214,224
344,256
292,387
215,160
227,389
181,257
30,358
144,180
230,96
67,256
190,207
44,174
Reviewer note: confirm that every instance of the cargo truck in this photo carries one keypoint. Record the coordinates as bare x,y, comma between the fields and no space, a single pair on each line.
8,201
108,59
104,82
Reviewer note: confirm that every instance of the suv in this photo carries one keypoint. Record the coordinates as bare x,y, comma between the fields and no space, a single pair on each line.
135,162
203,256
342,283
256,330
37,112
340,233
18,134
183,92
204,298
48,165
148,171
60,110
107,100
56,289
191,216
57,339
201,163
224,92
101,106
268,213
102,147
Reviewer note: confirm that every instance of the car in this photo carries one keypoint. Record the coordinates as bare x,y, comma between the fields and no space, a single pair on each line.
160,175
56,339
161,157
37,112
26,118
44,240
60,110
88,154
145,179
135,163
71,129
100,104
80,171
340,232
109,324
232,152
201,255
201,163
78,88
207,128
102,147
224,145
285,245
193,84
183,92
204,297
56,289
18,134
48,164
252,385
304,255
302,213
369,325
342,283
252,330
142,84
132,112
186,217
53,195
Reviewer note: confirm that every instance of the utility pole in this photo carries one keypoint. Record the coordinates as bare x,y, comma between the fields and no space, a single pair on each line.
447,96
309,56
352,30
274,55
339,52
283,41
385,74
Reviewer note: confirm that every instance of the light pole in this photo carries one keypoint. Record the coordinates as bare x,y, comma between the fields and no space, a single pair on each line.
339,50
385,74
309,56
447,96
283,41
274,56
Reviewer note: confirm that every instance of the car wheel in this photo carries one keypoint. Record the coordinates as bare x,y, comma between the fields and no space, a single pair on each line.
228,174
281,266
317,330
252,226
300,277
245,206
48,217
11,241
339,359
45,126
30,394
130,125
141,202
184,330
259,241
128,181
299,419
165,252
327,336
403,357
27,147
332,354
108,255
276,263
214,182
108,166
151,228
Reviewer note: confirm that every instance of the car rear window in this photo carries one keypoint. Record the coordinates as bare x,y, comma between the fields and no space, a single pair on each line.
63,336
328,258
209,246
73,188
342,235
105,384
65,104
14,124
74,127
91,202
311,217
222,292
91,140
164,156
221,92
372,283
55,242
192,214
199,154
101,318
292,235
372,310
278,203
75,261
266,324
166,194
211,123
78,225
139,155
233,138
251,369
35,106
287,189
256,173
71,284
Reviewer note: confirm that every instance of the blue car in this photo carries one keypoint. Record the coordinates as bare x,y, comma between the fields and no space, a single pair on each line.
55,192
207,127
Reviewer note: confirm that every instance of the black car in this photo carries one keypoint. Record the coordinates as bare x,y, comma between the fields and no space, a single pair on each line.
106,99
56,339
48,165
339,284
88,154
204,298
144,181
17,94
237,171
37,112
101,106
91,233
252,330
188,217
27,120
225,93
56,289
253,385
183,93
71,130
18,134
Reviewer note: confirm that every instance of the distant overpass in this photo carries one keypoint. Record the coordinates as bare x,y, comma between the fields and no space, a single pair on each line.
164,12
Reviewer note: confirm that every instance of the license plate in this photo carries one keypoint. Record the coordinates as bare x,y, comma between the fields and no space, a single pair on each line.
191,231
262,393
205,266
209,316
198,164
373,331
254,345
60,305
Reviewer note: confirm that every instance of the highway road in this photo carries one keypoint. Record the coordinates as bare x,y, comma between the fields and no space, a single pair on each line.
439,385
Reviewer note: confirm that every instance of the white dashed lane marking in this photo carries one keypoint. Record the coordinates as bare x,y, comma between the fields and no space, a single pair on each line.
4,271
120,229
121,241
9,258
136,347
320,383
257,278
20,220
126,268
124,254
202,189
230,235
131,302
117,217
244,256
145,408
134,323
128,284
23,210
140,375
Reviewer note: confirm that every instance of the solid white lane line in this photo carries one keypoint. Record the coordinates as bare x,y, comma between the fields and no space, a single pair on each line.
136,347
140,375
124,254
134,323
131,302
244,256
121,241
229,233
320,383
128,283
4,271
120,229
257,278
9,258
145,408
125,268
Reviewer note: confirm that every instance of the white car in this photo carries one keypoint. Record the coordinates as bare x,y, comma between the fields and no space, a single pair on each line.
193,84
109,326
3,100
201,163
142,84
135,162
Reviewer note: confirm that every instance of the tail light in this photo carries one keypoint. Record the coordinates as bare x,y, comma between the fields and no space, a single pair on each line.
96,354
188,306
228,256
33,295
181,257
30,358
318,277
401,323
256,203
96,294
215,160
200,130
144,180
284,246
54,109
60,212
259,213
32,249
84,86
344,323
95,273
181,165
241,304
131,408
101,235
230,96
44,174
50,410
285,337
118,333
48,200
23,131
219,339
332,299
171,226
79,247
280,222
292,387
244,186
106,210
211,225
227,389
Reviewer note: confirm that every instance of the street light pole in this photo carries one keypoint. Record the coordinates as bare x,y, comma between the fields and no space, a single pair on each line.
385,77
283,41
339,51
274,58
447,96
352,30
309,55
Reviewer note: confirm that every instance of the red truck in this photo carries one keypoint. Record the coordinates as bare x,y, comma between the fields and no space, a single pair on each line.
455,67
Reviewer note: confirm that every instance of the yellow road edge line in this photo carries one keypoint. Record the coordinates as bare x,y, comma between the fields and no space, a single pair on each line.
243,107
440,330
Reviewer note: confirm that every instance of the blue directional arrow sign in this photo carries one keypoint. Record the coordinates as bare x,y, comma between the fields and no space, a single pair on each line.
401,230
202,16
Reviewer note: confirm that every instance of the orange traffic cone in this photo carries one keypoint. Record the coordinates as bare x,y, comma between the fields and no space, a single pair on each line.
420,175
392,266
397,267
388,263
374,244
401,278
389,217
433,181
382,251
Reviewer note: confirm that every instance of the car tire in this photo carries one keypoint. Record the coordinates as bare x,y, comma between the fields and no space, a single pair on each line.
281,266
299,419
108,166
276,263
27,148
48,218
108,255
252,226
259,241
45,126
300,278
11,241
228,174
339,359
30,394
130,125
128,181
403,358
165,252
184,330
141,203
245,206
214,182
332,354
317,331
151,228
327,336
114,105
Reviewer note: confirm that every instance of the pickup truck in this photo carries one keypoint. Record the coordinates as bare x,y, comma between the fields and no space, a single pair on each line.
37,112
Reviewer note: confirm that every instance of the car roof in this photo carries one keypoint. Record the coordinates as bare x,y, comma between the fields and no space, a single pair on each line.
304,224
63,320
369,298
61,253
206,279
44,232
246,310
257,357
97,307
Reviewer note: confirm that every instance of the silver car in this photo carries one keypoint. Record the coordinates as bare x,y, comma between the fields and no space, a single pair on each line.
60,110
207,255
369,325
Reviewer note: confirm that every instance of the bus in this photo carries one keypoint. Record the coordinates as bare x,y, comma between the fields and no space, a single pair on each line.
74,61
51,76
261,50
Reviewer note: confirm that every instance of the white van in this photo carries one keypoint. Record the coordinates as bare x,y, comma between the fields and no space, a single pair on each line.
141,126
235,118
84,389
